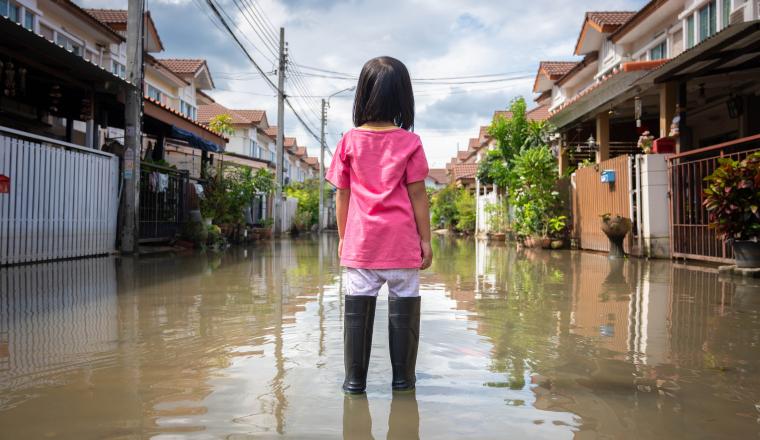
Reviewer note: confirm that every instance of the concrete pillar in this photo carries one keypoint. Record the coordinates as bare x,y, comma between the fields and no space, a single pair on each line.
603,136
668,96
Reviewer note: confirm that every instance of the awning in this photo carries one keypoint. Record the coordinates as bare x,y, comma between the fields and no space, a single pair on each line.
162,120
194,140
735,48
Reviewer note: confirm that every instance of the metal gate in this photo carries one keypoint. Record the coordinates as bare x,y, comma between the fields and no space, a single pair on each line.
62,201
691,237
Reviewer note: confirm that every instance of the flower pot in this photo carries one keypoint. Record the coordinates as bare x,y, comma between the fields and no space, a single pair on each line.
615,228
747,253
544,242
558,243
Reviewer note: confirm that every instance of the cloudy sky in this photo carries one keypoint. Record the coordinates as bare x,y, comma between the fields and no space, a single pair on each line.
434,38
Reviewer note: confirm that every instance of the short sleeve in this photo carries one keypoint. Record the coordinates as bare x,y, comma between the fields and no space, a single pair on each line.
339,174
417,166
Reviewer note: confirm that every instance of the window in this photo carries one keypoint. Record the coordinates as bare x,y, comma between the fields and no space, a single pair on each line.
690,30
707,21
29,20
659,51
271,156
14,12
118,69
726,13
46,31
253,149
68,44
187,109
155,93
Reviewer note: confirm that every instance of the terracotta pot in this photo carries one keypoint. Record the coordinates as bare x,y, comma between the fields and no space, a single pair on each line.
615,227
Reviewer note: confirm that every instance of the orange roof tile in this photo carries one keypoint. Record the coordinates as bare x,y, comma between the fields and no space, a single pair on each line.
183,66
254,115
271,131
610,18
556,68
464,171
109,15
289,142
439,175
540,113
208,111
301,151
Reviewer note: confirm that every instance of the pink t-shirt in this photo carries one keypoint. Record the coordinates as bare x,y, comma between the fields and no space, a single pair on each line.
381,232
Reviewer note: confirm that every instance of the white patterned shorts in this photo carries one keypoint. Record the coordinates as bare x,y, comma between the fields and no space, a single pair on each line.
367,282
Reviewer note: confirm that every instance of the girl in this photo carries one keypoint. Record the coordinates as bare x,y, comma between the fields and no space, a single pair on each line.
379,169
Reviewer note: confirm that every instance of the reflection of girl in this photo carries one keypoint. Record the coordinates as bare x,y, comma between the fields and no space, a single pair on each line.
383,220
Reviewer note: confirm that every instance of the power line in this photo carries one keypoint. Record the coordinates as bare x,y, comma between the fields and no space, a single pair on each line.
216,12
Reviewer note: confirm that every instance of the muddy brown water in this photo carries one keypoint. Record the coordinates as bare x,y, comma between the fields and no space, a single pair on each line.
515,344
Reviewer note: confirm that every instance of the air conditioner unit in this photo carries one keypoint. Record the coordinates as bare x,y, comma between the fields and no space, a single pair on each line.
738,15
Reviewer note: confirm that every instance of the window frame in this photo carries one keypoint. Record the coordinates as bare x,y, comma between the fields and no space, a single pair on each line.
663,46
691,31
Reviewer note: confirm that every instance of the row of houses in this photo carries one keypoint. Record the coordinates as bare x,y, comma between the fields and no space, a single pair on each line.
63,81
686,72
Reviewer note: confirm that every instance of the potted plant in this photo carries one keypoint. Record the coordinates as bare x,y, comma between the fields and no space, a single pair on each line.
615,227
732,200
646,140
557,227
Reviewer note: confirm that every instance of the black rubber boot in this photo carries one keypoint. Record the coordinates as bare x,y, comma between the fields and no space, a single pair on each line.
359,316
403,337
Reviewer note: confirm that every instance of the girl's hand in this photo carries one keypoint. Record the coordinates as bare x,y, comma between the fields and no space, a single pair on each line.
427,254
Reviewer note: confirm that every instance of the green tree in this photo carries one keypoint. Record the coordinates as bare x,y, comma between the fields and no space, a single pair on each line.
465,206
534,196
232,189
222,124
307,193
443,209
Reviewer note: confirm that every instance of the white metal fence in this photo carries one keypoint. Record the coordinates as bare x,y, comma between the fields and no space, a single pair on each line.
63,199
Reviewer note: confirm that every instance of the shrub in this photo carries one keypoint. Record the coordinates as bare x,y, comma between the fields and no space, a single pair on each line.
534,196
307,194
443,207
732,198
465,206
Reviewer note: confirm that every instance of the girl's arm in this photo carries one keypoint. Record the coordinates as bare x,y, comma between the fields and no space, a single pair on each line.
418,197
342,197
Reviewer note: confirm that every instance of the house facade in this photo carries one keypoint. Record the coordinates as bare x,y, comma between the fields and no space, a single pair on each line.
686,73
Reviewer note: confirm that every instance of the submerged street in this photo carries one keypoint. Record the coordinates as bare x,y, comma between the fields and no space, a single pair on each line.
515,344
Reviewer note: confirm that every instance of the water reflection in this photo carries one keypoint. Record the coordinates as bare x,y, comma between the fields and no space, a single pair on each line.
249,343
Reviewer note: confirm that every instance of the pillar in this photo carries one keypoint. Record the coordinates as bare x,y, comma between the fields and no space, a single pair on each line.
562,160
603,136
668,93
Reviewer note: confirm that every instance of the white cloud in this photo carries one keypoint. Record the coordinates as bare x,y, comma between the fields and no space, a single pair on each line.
434,39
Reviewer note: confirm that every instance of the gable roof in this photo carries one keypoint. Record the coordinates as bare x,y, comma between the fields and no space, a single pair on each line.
464,171
208,111
600,22
84,14
439,175
254,115
540,113
637,18
552,70
116,19
271,131
183,66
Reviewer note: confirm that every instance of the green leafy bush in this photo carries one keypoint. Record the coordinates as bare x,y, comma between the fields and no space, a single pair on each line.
307,194
732,198
229,191
443,207
465,206
534,196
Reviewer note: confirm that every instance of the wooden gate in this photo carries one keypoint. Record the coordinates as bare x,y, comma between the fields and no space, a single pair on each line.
62,201
591,198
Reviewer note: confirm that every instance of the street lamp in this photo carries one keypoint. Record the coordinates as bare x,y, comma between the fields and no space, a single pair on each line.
325,105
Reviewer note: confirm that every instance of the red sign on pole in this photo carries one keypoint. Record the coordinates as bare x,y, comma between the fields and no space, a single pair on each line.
5,184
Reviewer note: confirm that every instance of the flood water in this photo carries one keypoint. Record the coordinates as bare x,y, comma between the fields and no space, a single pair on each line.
515,344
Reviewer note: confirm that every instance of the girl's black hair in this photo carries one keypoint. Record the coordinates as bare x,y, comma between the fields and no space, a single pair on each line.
384,93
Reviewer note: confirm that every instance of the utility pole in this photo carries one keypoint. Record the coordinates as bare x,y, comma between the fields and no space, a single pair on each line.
321,218
280,162
130,201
